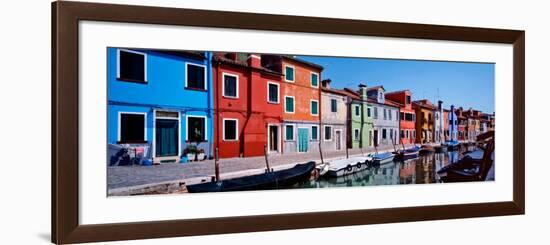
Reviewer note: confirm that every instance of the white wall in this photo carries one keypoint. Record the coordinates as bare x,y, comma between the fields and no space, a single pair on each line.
25,122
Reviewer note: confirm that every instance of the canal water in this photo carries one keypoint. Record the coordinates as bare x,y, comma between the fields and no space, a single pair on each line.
421,170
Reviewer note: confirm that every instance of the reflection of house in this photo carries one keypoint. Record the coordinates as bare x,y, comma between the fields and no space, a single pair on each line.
162,99
360,114
249,105
301,98
334,111
424,121
386,117
407,115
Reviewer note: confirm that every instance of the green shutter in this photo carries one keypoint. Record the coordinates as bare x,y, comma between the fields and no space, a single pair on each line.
289,132
289,73
289,104
314,132
314,79
314,107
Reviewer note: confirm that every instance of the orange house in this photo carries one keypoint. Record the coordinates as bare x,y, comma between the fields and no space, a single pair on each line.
407,115
301,98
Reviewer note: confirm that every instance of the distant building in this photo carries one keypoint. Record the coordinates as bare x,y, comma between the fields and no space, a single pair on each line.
407,115
424,121
439,121
334,115
386,117
452,122
462,124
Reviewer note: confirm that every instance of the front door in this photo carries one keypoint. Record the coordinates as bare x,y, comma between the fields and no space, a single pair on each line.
303,139
375,137
166,137
273,138
338,135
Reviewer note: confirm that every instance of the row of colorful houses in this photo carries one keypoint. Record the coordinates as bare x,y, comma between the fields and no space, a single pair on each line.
240,103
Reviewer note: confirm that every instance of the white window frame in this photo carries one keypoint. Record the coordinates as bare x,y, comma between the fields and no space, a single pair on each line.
293,71
278,92
236,129
154,146
310,81
293,104
293,132
144,114
205,74
358,134
311,138
311,111
135,52
224,74
187,126
325,131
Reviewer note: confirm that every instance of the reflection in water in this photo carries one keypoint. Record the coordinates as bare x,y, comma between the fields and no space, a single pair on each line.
421,170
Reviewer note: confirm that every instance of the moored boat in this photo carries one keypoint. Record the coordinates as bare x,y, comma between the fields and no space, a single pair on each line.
342,167
409,153
441,148
427,149
381,158
452,145
266,181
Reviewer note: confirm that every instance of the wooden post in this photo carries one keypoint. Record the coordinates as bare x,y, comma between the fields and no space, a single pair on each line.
217,165
321,153
347,153
266,160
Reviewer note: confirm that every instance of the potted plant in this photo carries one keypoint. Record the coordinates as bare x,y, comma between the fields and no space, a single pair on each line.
200,155
191,152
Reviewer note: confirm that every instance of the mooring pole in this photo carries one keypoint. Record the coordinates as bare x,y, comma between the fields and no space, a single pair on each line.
321,153
217,165
347,152
266,160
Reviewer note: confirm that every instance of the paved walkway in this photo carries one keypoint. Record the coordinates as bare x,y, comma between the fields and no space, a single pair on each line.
131,176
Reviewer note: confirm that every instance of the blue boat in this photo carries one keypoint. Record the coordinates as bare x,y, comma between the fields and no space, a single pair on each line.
452,145
409,153
382,158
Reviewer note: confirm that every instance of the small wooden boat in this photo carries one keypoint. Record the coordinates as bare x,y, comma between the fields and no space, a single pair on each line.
381,158
475,166
427,149
441,148
408,153
266,181
452,145
348,166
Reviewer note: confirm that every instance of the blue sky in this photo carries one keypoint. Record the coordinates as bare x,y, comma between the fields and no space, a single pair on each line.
459,83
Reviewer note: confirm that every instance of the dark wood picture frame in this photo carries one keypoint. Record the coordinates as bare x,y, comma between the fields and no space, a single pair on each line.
65,207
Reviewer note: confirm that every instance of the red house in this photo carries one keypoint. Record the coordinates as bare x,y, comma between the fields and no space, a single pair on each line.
248,106
407,114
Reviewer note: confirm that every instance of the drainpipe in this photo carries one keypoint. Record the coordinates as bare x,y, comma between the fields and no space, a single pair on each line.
210,100
217,110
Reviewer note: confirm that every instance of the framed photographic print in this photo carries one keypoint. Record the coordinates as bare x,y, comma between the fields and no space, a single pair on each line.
176,122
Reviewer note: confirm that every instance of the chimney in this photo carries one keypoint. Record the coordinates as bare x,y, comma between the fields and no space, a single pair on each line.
254,60
363,91
326,83
439,103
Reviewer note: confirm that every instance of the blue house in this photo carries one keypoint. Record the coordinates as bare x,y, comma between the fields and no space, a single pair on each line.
453,124
159,100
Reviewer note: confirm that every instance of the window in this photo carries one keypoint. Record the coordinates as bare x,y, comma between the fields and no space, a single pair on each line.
391,134
368,111
132,66
357,110
390,112
401,115
328,133
375,112
314,132
408,99
403,133
230,86
333,105
289,132
230,129
356,134
385,114
289,104
273,92
195,76
383,133
314,80
314,106
409,117
196,129
132,128
289,73
407,134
